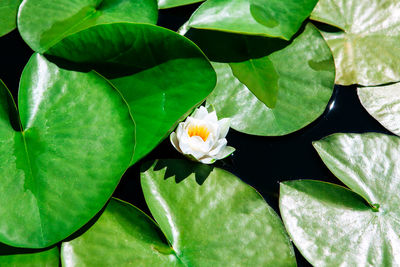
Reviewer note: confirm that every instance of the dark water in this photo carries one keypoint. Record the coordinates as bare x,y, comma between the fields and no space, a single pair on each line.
262,162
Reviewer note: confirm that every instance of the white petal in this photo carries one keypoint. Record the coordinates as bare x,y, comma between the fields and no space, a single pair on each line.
197,143
211,117
225,152
174,141
184,145
199,148
219,146
224,125
190,121
213,128
211,141
180,130
194,146
200,113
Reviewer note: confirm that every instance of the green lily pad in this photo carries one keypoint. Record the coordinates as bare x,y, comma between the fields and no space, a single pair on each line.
8,15
43,23
383,103
366,51
161,74
334,226
299,85
175,3
272,18
62,160
208,216
12,257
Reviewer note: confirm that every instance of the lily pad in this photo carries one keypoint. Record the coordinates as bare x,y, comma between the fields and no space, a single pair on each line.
161,74
272,18
383,103
12,257
43,23
366,49
208,216
61,161
175,3
300,79
334,226
8,15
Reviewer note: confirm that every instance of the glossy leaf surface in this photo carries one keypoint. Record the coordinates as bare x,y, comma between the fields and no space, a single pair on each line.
383,103
8,15
43,23
61,162
223,221
175,3
273,18
300,73
333,226
208,216
122,236
161,74
12,257
366,51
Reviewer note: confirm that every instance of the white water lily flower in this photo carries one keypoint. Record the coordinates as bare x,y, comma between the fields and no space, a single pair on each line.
202,137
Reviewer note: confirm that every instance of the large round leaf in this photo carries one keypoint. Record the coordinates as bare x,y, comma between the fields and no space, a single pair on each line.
62,161
298,76
175,3
122,236
161,74
209,218
274,18
366,51
333,226
11,257
43,23
383,103
8,15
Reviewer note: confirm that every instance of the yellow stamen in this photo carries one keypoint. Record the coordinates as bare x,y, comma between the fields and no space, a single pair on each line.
201,131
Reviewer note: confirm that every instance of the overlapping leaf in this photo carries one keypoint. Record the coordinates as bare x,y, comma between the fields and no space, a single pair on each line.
12,257
8,15
297,77
43,23
366,50
208,216
61,161
333,226
383,103
175,3
161,74
273,18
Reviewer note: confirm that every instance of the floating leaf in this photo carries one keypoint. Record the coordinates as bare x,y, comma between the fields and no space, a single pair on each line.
300,73
260,76
175,3
273,18
383,103
43,23
366,51
161,74
8,15
61,162
209,218
333,226
12,257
